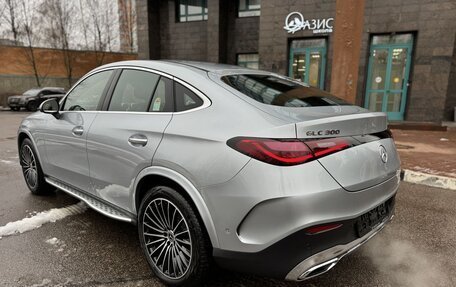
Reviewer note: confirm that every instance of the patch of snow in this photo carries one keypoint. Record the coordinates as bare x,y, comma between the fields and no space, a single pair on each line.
45,282
444,140
429,179
53,241
6,161
41,218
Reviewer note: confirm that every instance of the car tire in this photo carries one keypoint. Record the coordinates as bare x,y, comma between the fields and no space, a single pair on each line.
172,237
32,106
31,169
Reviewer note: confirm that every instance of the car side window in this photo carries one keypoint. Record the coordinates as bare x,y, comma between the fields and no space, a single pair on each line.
163,101
185,98
133,91
87,94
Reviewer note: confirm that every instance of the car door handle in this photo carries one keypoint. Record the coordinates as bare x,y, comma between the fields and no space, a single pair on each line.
138,140
78,131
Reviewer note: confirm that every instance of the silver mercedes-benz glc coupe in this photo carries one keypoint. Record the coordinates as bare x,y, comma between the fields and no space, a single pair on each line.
217,164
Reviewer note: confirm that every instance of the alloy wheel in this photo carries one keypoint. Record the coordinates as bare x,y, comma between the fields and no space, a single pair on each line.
167,238
29,168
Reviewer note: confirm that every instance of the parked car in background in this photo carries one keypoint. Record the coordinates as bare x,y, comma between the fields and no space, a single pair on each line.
31,99
247,168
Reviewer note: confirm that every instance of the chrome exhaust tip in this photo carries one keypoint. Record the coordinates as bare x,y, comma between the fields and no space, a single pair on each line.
318,269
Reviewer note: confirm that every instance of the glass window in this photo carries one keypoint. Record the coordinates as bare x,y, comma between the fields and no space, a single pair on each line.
248,60
192,10
185,99
133,91
309,43
307,61
87,94
277,91
392,39
32,92
162,100
248,8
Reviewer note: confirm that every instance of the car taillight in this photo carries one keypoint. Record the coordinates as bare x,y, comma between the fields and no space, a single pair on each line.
273,151
286,152
324,147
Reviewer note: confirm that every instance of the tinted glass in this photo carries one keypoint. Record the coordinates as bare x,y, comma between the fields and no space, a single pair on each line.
308,43
392,39
249,8
277,91
133,91
192,10
32,92
87,94
185,99
248,60
162,100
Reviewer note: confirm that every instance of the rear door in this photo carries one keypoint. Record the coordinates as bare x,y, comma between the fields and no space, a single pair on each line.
124,136
65,137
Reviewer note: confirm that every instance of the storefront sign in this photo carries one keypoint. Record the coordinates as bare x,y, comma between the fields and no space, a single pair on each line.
295,21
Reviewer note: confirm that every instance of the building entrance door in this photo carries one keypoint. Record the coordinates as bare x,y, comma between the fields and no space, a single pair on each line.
307,61
388,74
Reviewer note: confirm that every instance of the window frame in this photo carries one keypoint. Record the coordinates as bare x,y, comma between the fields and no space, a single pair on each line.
247,4
115,77
203,14
103,94
251,53
175,89
116,82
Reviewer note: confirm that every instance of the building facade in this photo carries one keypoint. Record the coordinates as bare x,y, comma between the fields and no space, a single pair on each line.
396,56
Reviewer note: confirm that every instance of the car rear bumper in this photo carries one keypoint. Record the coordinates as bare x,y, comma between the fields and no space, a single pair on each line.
325,260
301,255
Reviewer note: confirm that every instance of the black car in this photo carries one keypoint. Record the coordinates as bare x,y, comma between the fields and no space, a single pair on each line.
32,98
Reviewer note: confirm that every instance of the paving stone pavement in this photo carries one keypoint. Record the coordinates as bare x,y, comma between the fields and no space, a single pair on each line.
429,152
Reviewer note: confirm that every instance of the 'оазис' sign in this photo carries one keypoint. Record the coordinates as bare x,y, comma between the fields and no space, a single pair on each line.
295,21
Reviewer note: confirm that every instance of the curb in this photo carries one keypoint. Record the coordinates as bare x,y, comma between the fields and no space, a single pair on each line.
428,179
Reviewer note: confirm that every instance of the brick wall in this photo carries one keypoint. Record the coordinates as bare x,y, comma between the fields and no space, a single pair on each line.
243,34
431,95
219,39
434,22
16,72
187,40
274,40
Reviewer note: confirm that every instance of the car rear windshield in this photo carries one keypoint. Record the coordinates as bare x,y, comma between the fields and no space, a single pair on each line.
272,90
32,92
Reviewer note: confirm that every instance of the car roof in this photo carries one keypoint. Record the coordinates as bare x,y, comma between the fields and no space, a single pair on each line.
171,66
52,88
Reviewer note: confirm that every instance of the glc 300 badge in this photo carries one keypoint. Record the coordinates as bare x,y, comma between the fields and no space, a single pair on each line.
323,133
383,154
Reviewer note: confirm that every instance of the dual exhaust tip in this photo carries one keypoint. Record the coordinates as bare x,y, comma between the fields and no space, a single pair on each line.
318,269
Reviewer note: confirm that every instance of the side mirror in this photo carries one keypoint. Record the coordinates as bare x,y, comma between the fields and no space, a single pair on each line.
50,106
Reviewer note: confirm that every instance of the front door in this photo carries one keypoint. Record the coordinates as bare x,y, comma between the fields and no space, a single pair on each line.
307,61
388,74
65,137
123,138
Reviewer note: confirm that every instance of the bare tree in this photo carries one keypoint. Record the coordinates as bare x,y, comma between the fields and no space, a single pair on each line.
127,25
60,16
101,23
82,13
9,15
107,24
97,19
26,28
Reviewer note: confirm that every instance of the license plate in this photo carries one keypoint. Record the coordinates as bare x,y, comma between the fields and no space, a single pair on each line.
371,219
